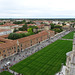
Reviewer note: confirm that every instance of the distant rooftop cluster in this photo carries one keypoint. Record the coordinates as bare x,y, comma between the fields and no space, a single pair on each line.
32,32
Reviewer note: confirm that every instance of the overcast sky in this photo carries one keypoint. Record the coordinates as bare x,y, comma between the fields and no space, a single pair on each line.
37,8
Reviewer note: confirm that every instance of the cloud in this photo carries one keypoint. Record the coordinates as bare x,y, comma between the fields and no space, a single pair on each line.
37,8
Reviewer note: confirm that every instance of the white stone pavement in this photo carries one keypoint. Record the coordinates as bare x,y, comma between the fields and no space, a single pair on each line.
62,72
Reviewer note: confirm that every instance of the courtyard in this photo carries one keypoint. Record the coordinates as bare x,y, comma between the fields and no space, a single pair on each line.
47,61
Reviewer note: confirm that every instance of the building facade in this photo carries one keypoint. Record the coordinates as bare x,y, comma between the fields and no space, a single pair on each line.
10,47
5,31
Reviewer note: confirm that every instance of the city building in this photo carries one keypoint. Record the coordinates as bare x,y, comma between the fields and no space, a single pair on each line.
10,47
5,31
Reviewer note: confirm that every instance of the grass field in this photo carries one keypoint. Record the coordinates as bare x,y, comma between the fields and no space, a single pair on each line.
45,62
69,36
5,73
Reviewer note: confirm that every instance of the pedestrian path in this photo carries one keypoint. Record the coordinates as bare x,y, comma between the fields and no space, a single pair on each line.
62,72
67,39
13,72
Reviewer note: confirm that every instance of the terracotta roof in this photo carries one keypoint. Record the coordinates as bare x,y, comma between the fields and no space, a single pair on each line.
21,31
21,24
46,25
66,26
2,30
42,25
8,24
7,43
31,24
4,36
32,36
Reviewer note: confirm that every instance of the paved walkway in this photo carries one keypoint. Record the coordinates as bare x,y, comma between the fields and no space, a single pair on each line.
13,72
67,39
62,72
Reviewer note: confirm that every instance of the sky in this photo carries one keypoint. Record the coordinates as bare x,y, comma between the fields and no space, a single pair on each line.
37,8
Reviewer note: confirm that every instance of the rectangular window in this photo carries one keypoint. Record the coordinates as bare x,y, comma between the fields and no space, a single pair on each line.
4,51
14,47
21,49
5,55
21,45
14,50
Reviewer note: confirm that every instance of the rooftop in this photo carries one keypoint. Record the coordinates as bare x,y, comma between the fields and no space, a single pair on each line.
2,30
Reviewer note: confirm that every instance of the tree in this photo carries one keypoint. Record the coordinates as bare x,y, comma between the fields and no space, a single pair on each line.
15,30
52,25
21,29
17,22
30,30
57,26
57,30
63,24
23,34
24,27
14,36
1,23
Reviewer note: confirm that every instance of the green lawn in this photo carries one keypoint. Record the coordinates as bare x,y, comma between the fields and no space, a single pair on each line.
5,73
45,62
69,36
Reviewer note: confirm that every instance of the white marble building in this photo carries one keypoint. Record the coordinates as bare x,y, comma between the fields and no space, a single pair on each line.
5,31
70,62
69,69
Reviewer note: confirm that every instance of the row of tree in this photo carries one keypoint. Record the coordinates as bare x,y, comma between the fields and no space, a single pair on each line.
1,23
14,36
56,28
19,22
23,22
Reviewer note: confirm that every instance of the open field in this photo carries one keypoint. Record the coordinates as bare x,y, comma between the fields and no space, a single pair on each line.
45,62
69,36
5,73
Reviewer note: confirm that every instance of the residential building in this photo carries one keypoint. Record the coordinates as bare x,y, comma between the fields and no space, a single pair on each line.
10,47
5,31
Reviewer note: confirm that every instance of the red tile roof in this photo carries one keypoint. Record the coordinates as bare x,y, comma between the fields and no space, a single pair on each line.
2,30
32,36
21,31
8,24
